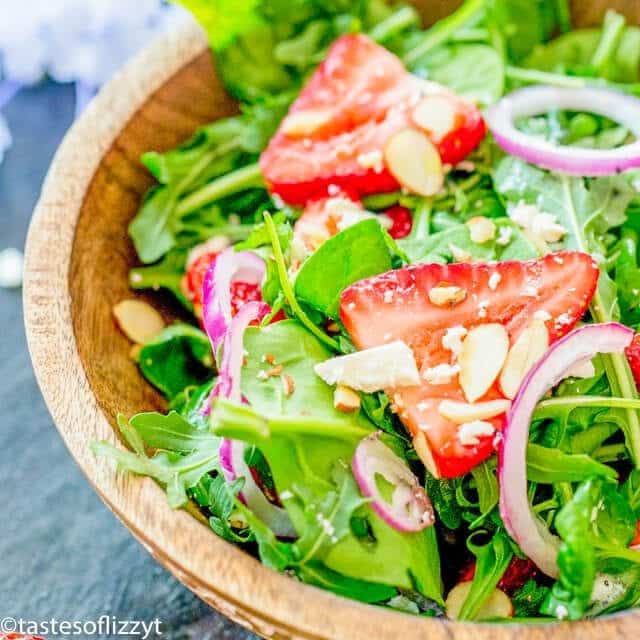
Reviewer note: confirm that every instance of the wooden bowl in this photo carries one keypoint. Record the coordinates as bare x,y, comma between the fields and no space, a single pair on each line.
78,256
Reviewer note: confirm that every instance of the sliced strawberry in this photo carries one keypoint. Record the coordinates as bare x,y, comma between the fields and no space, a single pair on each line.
635,543
633,356
241,292
336,131
401,221
396,306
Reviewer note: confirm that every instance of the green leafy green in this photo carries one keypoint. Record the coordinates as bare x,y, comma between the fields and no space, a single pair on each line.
184,454
179,357
528,599
596,526
492,560
360,251
166,274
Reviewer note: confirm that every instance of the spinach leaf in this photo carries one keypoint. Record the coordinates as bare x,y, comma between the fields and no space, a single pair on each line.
449,65
179,357
358,252
596,526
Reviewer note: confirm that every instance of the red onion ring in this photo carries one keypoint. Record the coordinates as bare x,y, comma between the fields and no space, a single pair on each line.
228,267
532,101
535,540
233,467
410,509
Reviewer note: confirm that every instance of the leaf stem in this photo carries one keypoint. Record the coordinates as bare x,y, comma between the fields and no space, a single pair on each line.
287,289
396,22
443,30
589,401
228,184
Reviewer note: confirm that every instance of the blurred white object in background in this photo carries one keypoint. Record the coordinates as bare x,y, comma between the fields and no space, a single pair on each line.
11,267
78,41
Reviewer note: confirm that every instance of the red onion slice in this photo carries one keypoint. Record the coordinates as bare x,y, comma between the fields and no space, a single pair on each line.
229,266
533,101
410,509
535,540
233,467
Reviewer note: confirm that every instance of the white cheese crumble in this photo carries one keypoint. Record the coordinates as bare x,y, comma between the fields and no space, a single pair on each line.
540,223
541,314
11,268
504,236
482,308
389,365
441,373
469,433
371,160
494,280
452,339
607,589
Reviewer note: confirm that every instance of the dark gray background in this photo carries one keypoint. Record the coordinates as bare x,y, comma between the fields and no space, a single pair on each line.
63,554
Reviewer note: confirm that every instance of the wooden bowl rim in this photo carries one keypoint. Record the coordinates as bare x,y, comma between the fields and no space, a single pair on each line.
236,584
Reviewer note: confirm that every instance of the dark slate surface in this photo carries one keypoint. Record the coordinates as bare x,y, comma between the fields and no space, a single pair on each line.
63,554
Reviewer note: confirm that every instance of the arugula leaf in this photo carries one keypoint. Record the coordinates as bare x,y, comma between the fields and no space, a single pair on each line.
442,493
596,525
549,466
176,469
588,211
492,560
631,491
166,274
179,357
360,251
528,599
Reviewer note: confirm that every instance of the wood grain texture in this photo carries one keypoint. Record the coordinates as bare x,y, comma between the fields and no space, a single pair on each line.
78,255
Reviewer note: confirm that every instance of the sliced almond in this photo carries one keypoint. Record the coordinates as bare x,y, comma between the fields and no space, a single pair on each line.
415,162
446,295
423,450
458,254
497,605
461,412
525,352
288,384
481,229
346,399
138,320
435,114
305,123
483,354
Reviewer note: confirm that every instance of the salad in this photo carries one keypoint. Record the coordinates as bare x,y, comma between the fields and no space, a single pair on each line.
410,280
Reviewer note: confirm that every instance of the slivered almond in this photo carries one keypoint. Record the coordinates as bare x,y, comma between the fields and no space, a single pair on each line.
446,295
414,162
483,354
138,320
423,450
461,412
481,229
305,123
524,353
288,384
435,114
497,605
345,399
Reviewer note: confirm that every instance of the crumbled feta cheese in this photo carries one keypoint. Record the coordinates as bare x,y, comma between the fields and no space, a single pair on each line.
441,373
469,433
286,495
543,315
564,318
387,296
371,160
530,291
607,589
389,365
452,339
541,224
561,612
504,236
482,308
494,280
481,229
11,268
